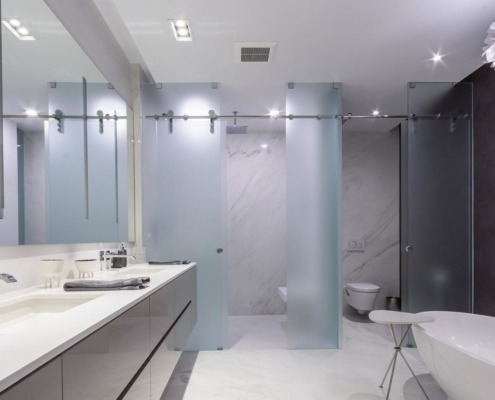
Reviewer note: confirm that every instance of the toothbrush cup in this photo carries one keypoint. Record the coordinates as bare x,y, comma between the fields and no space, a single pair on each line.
86,267
51,270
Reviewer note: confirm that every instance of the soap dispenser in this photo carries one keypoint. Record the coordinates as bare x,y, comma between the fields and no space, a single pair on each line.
123,252
120,262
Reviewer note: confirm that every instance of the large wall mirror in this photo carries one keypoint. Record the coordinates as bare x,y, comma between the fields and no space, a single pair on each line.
65,137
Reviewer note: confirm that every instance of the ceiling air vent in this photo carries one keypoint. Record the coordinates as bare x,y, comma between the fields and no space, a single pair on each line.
255,52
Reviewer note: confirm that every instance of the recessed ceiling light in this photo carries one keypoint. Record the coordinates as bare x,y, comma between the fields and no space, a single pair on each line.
18,30
274,114
181,23
15,22
23,31
182,30
375,113
264,146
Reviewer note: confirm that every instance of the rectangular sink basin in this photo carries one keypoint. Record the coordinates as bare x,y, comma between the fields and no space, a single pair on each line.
21,311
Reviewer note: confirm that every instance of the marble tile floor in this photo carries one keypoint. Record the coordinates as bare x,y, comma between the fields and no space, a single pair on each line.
255,369
257,332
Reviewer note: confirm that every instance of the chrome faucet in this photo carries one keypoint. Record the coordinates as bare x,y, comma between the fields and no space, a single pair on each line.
7,278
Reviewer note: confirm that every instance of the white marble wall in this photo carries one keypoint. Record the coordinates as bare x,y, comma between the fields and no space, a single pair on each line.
370,210
256,223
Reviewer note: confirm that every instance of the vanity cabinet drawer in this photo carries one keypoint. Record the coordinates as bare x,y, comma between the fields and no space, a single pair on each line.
162,366
43,384
185,290
162,312
100,366
140,389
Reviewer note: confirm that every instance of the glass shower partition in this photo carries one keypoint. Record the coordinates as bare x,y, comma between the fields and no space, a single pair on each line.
314,174
436,198
184,195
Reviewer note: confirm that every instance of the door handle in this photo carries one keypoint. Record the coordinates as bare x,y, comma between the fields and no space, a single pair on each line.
408,249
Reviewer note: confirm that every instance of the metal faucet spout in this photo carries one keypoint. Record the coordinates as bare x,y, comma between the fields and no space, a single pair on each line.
7,278
110,256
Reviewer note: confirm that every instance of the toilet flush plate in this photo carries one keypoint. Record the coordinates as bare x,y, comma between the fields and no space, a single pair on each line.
356,245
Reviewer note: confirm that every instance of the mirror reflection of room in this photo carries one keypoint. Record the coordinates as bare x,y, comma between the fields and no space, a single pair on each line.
64,136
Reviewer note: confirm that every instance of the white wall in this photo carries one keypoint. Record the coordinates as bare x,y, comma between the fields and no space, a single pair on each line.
370,210
256,223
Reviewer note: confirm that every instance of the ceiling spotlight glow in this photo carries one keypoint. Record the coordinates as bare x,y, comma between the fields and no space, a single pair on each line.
437,57
23,31
264,146
31,113
375,113
17,29
274,114
15,22
182,30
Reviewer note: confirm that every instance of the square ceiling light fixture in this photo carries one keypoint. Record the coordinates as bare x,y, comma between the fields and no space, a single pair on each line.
182,30
15,26
489,48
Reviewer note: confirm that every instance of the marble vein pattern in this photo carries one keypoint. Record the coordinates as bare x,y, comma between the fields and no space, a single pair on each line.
351,373
370,210
256,198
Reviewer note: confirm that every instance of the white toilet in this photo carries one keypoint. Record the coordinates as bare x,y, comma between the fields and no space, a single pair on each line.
361,296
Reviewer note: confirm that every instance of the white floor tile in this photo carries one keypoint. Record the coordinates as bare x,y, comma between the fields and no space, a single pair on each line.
258,366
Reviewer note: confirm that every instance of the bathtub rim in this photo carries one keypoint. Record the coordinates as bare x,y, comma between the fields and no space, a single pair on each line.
423,328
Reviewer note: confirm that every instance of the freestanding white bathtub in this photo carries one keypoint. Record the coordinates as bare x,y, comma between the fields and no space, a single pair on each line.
459,351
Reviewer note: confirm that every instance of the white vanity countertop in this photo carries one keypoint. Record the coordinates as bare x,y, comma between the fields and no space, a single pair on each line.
24,350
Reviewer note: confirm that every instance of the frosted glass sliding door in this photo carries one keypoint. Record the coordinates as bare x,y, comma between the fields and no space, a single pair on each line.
183,179
436,190
314,172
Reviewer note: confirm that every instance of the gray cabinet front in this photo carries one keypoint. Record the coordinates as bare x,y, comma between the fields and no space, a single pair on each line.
162,365
43,384
162,312
140,389
185,292
100,366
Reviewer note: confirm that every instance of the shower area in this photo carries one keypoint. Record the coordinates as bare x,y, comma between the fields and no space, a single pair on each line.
257,224
260,209
238,205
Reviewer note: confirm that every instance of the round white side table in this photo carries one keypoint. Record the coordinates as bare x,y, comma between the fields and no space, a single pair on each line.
392,318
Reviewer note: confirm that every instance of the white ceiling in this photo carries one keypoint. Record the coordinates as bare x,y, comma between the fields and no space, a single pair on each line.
373,47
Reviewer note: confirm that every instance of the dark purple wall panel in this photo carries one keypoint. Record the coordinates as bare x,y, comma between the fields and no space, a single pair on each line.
484,189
